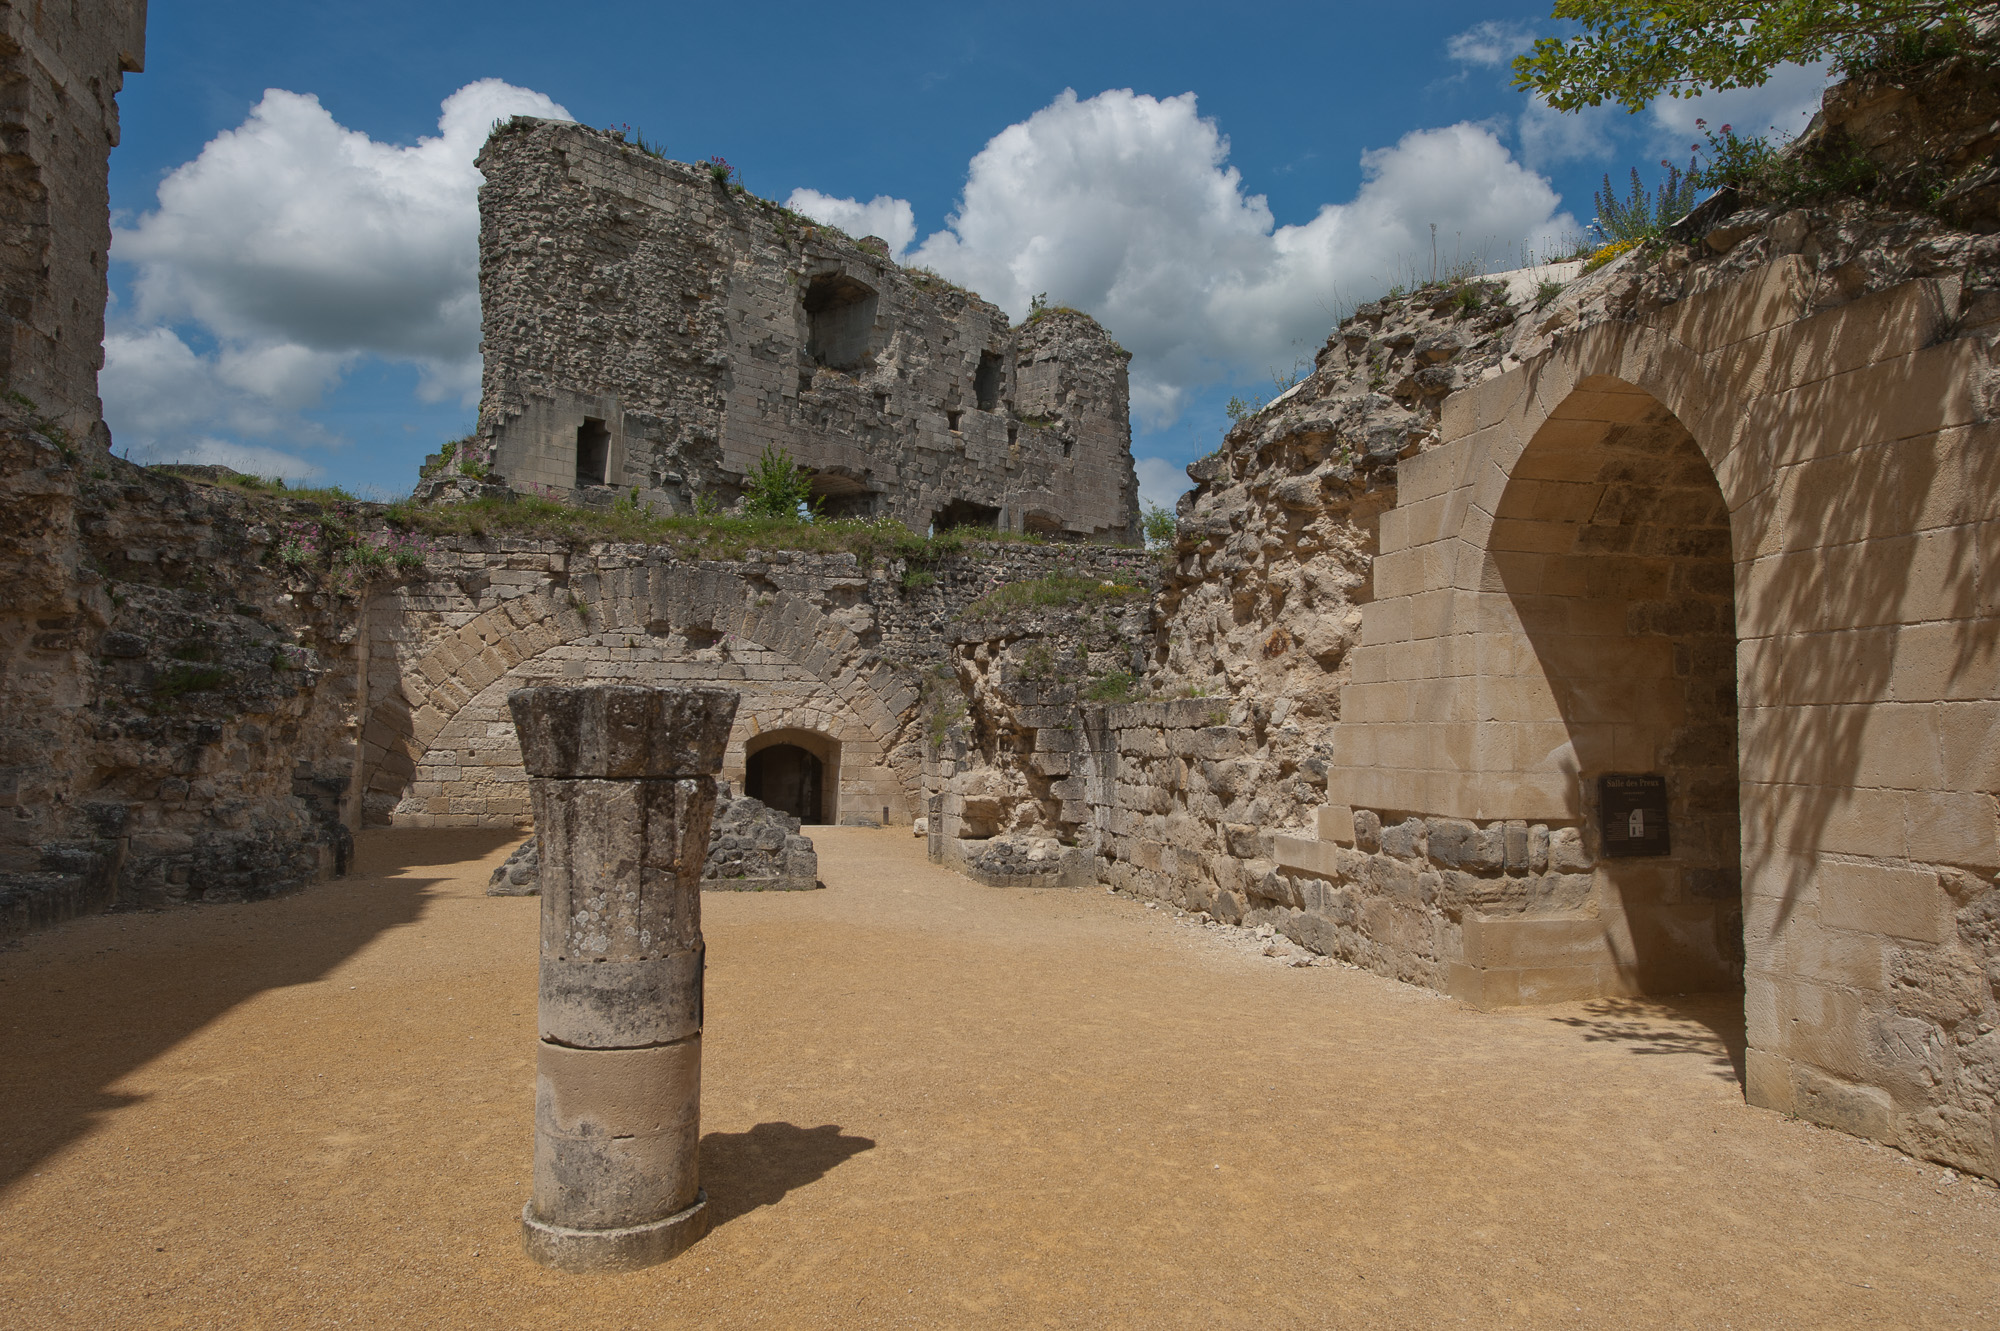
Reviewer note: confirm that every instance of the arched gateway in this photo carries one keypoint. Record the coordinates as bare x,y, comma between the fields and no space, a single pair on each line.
1703,611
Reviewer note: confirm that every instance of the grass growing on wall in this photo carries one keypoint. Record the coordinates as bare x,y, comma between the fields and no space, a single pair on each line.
1053,591
704,536
275,486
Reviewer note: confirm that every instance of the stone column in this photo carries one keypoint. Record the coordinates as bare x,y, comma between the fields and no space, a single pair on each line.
621,781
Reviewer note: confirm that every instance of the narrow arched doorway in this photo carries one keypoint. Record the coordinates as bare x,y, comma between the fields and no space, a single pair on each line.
787,778
797,771
1612,541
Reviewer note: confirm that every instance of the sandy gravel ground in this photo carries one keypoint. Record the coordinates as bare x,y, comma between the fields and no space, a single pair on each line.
926,1103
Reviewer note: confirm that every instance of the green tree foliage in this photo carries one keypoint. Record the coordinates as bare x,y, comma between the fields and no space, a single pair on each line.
778,488
1160,526
1642,213
1632,51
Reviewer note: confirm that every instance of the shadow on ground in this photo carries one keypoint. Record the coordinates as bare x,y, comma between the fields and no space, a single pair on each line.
88,1002
1707,1025
745,1170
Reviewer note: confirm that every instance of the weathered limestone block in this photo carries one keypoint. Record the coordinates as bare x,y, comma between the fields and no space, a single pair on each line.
620,777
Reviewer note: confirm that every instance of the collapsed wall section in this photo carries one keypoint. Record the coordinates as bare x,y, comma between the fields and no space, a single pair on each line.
648,328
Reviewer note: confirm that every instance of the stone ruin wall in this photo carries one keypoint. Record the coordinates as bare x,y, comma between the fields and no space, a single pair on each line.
120,783
637,305
831,651
62,67
182,713
1864,917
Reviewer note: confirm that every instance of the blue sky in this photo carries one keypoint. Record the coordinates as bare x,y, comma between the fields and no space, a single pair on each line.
291,275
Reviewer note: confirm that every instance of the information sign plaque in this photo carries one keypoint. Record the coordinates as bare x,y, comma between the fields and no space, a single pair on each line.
1634,809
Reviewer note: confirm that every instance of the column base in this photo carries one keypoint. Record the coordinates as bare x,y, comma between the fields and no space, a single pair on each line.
629,1249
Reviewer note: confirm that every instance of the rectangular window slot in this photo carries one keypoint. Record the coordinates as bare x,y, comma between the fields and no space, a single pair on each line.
593,453
952,419
965,513
986,383
840,321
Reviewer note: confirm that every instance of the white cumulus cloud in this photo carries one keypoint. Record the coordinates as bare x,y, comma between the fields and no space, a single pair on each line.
1785,103
297,246
1550,137
1161,482
1493,42
891,219
167,403
1124,205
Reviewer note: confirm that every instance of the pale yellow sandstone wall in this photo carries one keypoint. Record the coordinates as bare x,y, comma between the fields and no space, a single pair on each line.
1856,455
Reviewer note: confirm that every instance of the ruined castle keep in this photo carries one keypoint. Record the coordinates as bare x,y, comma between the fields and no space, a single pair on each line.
1563,635
649,329
63,69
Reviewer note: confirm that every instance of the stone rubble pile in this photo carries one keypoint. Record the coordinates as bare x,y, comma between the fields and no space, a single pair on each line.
751,848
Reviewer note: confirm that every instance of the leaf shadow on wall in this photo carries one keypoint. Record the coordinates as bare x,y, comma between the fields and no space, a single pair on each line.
1868,594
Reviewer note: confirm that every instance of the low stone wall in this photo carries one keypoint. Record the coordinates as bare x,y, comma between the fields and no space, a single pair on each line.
1170,805
1019,861
829,648
1434,901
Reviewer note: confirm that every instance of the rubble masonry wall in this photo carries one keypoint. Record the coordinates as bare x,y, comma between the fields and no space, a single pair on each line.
640,307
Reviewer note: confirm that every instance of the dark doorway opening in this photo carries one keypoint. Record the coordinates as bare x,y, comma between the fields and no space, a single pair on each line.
986,384
788,779
839,496
965,513
593,453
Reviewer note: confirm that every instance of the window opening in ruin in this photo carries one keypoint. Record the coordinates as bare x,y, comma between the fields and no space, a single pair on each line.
593,453
787,778
952,418
965,513
840,320
986,383
841,496
1013,432
1613,543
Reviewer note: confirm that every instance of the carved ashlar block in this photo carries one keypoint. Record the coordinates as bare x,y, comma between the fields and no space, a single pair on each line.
622,782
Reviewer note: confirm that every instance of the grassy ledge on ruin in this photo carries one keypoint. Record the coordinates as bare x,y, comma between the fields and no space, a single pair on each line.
1054,591
707,536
